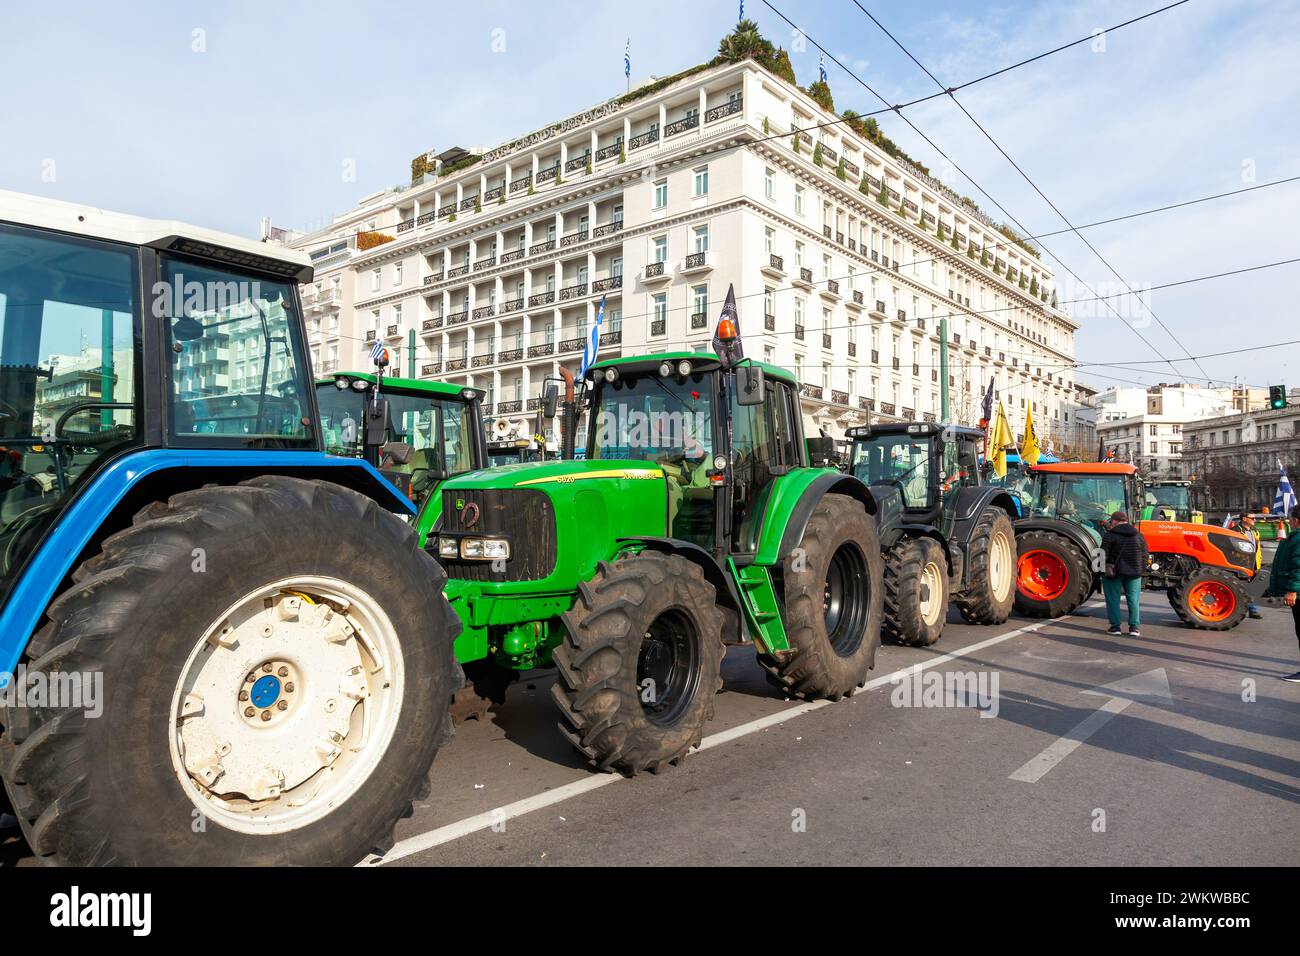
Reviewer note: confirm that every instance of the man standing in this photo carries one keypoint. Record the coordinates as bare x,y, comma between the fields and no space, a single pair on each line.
1246,525
1284,581
1126,562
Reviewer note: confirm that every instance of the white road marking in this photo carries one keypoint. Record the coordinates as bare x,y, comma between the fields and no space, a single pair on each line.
509,811
1152,686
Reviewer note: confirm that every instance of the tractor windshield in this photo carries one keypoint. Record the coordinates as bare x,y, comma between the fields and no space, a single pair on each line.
1088,500
899,460
664,419
1172,502
440,429
69,345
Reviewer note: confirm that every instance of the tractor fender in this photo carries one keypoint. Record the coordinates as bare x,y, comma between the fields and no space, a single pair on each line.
721,580
1077,535
971,502
796,521
134,480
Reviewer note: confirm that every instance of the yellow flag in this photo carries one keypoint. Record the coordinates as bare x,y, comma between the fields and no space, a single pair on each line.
1029,451
1000,441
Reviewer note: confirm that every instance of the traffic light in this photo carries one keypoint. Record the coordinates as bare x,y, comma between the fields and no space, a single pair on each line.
1277,396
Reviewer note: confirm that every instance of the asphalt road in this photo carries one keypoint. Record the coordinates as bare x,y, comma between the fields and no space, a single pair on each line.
1189,754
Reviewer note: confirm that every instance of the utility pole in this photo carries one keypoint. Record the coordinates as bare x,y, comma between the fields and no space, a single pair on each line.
410,353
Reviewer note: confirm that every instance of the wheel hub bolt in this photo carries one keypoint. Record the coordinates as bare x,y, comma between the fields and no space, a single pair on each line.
249,711
266,668
243,695
283,705
288,688
283,672
266,715
250,678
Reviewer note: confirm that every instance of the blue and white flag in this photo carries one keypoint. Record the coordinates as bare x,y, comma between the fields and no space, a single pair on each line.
379,353
742,9
1285,499
593,341
821,68
627,59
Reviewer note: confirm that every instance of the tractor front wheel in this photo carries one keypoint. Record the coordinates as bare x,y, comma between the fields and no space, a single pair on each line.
916,592
640,662
833,603
273,664
1053,577
1209,600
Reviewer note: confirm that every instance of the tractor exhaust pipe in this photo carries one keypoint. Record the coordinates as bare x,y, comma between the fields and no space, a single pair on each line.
568,417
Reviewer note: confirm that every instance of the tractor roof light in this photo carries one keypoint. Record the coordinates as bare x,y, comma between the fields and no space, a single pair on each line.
611,375
684,368
666,369
720,462
468,394
360,384
342,384
726,330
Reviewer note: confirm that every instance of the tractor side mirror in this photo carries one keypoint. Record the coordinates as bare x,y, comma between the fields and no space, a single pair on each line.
398,452
376,422
550,401
821,450
750,388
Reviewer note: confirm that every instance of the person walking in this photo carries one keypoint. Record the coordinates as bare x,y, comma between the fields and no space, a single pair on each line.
1126,562
1284,579
1246,525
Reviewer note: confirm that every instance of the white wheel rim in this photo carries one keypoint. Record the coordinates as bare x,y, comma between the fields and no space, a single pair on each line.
1000,566
931,594
306,734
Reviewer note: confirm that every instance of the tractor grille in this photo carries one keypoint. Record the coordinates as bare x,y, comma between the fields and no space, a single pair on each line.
525,517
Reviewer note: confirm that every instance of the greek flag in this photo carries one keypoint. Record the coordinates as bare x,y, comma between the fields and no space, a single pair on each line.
742,9
379,353
821,68
593,341
627,59
1284,500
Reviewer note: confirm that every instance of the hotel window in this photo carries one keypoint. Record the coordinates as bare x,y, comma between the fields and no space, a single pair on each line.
768,188
616,320
661,309
798,311
769,240
374,280
616,266
853,382
798,254
798,200
826,266
769,303
701,234
397,273
700,300
661,194
702,181
397,315
826,378
661,249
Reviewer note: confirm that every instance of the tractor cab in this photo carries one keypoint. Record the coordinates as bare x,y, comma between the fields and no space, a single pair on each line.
922,466
1086,493
417,433
720,437
1169,500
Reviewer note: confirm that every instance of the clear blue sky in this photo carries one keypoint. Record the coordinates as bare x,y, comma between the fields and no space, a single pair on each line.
128,107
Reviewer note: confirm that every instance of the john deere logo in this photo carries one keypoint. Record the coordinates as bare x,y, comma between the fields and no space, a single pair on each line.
460,504
471,515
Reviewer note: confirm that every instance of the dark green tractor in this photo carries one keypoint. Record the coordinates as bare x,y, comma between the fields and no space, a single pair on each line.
694,522
946,536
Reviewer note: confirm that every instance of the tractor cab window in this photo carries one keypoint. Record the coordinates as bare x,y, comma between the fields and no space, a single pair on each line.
237,369
68,369
666,419
1088,500
899,460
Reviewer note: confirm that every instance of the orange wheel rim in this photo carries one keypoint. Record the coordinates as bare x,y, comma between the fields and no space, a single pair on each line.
1212,600
1042,575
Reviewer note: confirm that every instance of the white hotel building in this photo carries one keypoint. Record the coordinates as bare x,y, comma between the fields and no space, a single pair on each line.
657,203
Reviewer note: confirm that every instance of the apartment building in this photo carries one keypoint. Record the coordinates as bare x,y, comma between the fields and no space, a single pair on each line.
489,270
1233,459
1147,426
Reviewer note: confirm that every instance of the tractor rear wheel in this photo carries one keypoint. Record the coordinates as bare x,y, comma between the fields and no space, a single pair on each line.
1053,577
1210,600
834,596
275,664
640,662
916,592
991,578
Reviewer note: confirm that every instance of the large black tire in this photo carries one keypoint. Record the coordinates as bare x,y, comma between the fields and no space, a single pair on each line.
108,790
833,600
990,590
1053,577
916,593
640,663
1210,600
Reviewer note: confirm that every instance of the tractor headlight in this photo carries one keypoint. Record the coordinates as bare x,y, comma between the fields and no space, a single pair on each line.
342,384
484,549
360,385
665,369
611,375
448,548
1243,546
683,368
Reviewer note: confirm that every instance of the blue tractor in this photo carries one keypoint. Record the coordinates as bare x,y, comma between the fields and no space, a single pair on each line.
218,644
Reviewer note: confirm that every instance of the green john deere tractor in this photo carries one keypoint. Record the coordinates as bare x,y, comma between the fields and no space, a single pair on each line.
416,432
946,536
694,522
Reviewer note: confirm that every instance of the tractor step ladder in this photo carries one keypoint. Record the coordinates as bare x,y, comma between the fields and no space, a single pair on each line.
762,611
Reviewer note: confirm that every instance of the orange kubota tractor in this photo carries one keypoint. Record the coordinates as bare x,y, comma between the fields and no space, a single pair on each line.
1204,569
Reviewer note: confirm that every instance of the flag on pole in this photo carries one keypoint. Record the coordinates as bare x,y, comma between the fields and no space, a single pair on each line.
1029,450
986,415
593,341
1284,500
742,9
1001,440
379,354
726,337
1101,449
627,59
821,68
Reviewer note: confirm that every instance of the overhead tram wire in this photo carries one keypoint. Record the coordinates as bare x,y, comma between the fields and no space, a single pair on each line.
951,93
970,179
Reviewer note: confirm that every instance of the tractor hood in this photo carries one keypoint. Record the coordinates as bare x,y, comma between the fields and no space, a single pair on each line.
561,518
